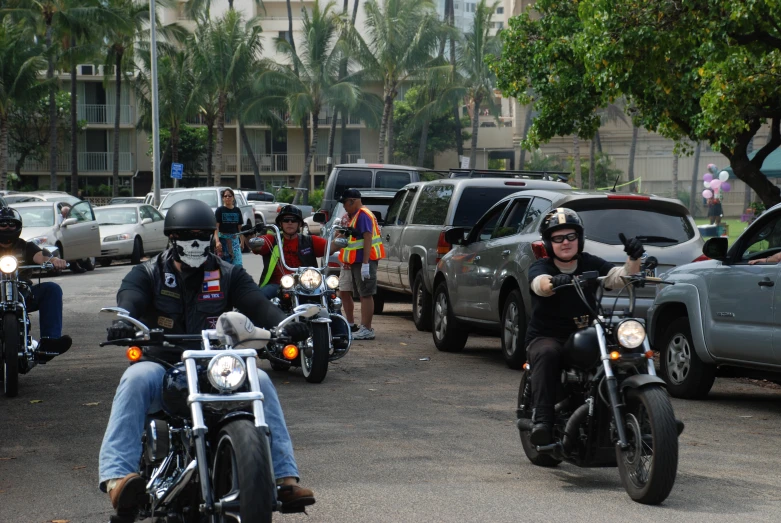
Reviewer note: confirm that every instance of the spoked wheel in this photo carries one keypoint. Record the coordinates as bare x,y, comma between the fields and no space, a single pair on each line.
10,355
524,411
315,367
649,466
242,477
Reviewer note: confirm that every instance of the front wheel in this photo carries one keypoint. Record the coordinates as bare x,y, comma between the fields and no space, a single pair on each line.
514,331
687,376
315,367
11,347
523,410
649,465
88,264
242,476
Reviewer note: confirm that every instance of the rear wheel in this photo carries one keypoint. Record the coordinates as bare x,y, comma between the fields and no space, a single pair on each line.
88,264
449,336
421,303
687,376
523,411
514,331
76,268
379,302
315,367
10,355
138,251
649,466
104,262
242,476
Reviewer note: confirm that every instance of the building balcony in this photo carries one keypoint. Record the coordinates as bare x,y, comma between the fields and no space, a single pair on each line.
284,163
87,162
105,114
324,120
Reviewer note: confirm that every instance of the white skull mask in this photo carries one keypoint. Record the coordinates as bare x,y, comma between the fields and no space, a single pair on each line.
191,252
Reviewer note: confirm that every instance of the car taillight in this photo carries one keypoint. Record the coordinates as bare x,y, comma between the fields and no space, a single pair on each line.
279,208
443,247
538,248
700,258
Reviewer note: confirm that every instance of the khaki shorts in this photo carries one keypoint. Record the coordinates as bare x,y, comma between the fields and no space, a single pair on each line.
363,288
346,280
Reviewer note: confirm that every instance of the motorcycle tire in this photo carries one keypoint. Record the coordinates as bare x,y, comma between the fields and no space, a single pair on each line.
648,473
524,411
242,474
11,347
316,367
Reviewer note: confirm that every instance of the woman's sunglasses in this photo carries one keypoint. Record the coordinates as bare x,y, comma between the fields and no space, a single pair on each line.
561,237
227,196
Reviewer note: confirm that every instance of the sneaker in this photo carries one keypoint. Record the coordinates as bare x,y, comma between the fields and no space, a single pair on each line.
355,327
364,334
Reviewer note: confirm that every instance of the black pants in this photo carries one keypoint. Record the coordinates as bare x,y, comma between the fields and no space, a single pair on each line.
544,355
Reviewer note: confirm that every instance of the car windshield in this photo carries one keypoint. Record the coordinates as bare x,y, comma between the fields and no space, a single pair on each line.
121,216
208,196
19,198
37,216
67,198
649,226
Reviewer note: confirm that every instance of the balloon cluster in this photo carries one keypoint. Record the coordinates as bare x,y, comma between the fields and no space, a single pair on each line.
715,184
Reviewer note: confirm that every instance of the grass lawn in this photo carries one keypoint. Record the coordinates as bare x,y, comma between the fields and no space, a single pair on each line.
736,227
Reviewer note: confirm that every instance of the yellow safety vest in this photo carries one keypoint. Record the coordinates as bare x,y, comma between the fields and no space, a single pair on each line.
377,252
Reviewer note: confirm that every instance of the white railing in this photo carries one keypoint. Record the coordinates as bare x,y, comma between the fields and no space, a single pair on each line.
88,162
294,163
104,113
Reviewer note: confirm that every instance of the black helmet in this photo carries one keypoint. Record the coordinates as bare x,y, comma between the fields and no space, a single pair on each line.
557,219
12,216
289,210
189,215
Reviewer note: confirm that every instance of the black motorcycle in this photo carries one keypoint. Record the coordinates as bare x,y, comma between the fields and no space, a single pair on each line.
612,408
20,351
207,456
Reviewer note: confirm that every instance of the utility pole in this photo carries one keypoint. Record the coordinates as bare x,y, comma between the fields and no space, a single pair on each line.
155,111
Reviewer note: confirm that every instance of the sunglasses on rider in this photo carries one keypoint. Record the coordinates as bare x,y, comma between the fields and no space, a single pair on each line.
7,225
289,220
193,235
561,237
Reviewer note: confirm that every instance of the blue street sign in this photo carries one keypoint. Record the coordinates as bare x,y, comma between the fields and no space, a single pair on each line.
176,170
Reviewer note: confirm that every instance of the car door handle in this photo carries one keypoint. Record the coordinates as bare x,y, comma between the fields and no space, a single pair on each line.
766,283
387,237
94,227
506,252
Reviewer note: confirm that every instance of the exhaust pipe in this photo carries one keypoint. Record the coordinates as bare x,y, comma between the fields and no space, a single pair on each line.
571,430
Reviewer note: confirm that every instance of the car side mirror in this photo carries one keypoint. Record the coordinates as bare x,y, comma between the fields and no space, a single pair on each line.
319,217
146,221
68,221
456,236
716,248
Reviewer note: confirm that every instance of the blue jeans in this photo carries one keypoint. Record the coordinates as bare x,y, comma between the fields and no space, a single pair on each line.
48,298
139,394
270,290
231,249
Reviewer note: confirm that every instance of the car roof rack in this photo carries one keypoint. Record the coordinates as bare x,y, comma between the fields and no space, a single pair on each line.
559,176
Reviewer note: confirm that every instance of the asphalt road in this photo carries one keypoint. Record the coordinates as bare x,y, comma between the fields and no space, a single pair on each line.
387,436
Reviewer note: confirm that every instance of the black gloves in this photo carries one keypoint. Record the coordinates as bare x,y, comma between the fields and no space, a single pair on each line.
120,329
296,331
633,247
560,279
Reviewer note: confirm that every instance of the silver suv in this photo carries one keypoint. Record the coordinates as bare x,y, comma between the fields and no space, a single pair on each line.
483,281
415,225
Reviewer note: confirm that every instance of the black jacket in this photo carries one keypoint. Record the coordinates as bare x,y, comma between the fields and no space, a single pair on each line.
161,297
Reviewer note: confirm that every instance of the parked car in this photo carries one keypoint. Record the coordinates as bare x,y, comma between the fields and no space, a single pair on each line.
213,197
54,196
721,317
267,207
22,198
129,231
483,281
149,199
126,199
370,176
77,235
376,201
414,230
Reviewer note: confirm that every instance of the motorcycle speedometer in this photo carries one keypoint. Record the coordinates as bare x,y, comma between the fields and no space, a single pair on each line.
310,279
8,264
226,372
630,334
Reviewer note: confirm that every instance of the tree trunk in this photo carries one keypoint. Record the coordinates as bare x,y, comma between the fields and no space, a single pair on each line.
695,182
748,195
4,152
310,153
630,171
749,170
675,176
475,127
423,142
451,20
390,127
52,114
220,163
598,138
343,137
576,154
331,137
117,113
384,125
592,165
209,150
18,166
74,124
253,162
527,124
448,4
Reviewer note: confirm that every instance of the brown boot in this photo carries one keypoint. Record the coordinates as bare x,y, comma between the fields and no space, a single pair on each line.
128,494
294,498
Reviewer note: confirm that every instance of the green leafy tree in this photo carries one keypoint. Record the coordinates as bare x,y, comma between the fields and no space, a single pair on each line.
604,173
191,150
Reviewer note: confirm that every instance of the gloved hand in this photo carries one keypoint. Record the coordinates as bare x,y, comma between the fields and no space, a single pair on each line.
296,331
120,329
260,228
632,247
560,279
365,274
256,243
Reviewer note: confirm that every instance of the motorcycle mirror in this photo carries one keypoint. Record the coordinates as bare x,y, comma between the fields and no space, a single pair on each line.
307,310
650,263
115,310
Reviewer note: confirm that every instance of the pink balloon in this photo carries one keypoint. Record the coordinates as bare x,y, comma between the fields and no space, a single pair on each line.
715,184
707,177
712,167
707,193
726,187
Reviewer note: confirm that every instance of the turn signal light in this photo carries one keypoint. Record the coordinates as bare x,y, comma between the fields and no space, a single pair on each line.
615,355
134,353
525,366
286,296
290,352
649,354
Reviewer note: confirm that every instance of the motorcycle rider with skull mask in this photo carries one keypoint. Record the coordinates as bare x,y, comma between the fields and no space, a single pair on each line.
183,291
558,313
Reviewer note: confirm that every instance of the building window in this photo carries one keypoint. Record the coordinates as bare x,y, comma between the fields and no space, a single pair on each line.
500,10
285,35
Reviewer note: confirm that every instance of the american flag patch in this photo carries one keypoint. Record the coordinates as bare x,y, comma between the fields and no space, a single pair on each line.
211,275
211,286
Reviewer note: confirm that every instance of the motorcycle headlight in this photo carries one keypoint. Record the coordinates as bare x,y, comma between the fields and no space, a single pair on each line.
311,279
226,372
287,281
630,334
332,282
8,264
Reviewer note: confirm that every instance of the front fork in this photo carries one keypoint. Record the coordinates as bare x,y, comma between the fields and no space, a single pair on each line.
612,389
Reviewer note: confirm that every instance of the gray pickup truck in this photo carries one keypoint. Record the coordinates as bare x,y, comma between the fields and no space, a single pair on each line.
414,229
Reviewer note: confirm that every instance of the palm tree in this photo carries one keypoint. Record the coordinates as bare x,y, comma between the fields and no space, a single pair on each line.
226,52
203,7
402,37
317,84
695,182
20,60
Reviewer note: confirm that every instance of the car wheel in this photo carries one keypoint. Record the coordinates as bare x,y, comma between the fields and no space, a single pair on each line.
514,331
687,376
76,268
449,336
379,302
138,251
421,303
104,262
88,264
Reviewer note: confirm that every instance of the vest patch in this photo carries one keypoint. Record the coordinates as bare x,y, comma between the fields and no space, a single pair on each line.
170,280
211,286
212,321
171,294
166,323
211,296
211,275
